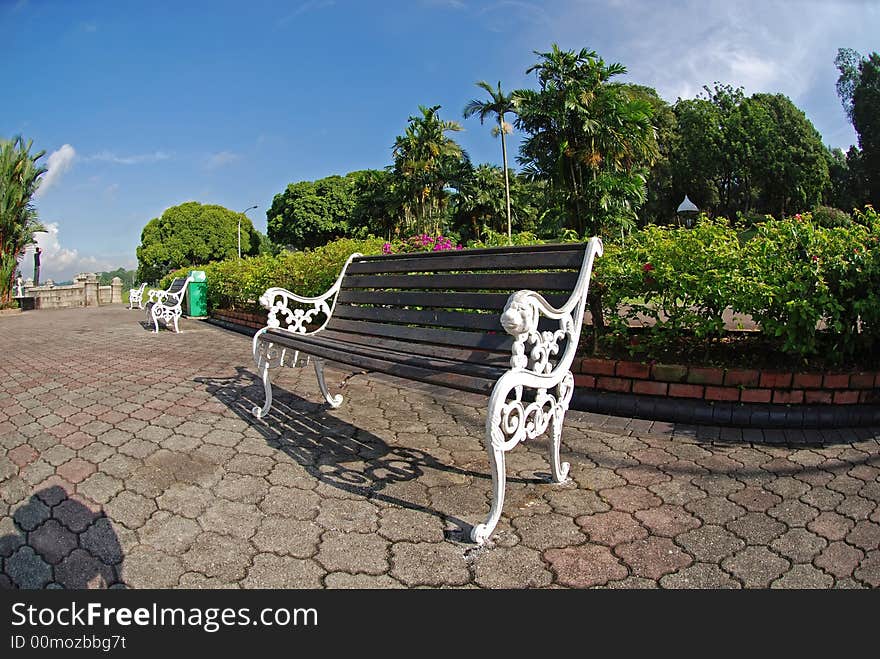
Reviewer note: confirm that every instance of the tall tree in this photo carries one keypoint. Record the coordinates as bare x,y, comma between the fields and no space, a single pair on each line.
19,179
192,234
586,135
859,89
498,105
426,160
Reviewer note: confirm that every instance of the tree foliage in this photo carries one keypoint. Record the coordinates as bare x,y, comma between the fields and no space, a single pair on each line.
747,154
858,87
19,179
591,138
426,162
192,234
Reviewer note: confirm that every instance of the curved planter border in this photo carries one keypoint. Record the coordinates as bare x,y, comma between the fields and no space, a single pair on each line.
700,395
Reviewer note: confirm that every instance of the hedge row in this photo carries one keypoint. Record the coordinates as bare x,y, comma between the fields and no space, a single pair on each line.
811,288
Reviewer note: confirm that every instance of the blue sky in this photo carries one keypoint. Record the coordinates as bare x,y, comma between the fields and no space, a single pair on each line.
144,105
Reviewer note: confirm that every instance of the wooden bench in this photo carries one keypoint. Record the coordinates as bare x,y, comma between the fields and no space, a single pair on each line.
136,295
503,322
165,305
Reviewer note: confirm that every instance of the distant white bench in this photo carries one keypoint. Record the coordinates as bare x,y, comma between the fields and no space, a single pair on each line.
136,295
165,305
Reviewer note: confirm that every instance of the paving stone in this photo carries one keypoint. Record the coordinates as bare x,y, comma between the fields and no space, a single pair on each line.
290,502
81,570
220,556
10,537
168,532
755,567
865,536
667,520
612,528
869,569
29,516
510,567
630,498
856,508
710,543
839,559
631,583
756,528
677,493
130,509
718,485
652,557
822,498
348,515
788,487
186,500
246,489
52,541
707,576
284,535
831,526
271,571
544,531
803,576
428,564
353,553
755,499
100,487
27,569
343,580
799,545
715,510
399,524
148,567
585,566
231,518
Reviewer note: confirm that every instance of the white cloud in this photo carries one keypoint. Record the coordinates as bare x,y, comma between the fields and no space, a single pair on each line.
109,156
220,159
60,263
59,162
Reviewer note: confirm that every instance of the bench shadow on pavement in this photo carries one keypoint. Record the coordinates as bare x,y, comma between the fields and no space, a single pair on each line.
334,451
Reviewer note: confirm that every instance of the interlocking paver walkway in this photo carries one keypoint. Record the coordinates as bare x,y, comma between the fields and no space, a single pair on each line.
129,459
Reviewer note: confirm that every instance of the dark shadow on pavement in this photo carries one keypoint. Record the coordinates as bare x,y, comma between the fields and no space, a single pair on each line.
334,451
61,543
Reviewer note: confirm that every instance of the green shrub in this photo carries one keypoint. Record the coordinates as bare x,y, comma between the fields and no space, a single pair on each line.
828,216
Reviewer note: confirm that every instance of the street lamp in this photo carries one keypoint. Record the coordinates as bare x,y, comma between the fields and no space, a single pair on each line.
688,210
239,226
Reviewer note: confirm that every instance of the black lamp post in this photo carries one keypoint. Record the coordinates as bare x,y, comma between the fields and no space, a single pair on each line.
239,226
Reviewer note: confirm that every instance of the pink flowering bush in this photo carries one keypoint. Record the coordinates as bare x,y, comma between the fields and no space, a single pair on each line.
421,243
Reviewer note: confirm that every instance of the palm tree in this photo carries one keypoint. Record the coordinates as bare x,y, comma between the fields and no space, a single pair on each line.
499,105
19,179
581,125
425,160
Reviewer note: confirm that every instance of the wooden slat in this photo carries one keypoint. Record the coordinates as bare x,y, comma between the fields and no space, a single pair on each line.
488,301
500,359
536,281
431,335
445,261
446,379
486,251
489,322
406,356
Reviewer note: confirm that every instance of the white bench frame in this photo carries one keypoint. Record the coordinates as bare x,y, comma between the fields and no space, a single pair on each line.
535,363
167,304
136,295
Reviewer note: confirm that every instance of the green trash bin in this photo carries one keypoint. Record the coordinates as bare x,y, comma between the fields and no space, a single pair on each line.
195,303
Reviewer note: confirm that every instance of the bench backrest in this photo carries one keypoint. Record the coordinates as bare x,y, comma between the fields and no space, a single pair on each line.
447,304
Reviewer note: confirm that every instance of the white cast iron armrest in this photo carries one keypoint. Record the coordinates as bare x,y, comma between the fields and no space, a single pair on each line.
293,313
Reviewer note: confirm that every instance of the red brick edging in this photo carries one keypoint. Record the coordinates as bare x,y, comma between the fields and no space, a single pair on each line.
734,385
727,384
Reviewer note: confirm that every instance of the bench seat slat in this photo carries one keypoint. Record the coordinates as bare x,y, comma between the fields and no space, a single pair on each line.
444,262
432,335
382,364
405,356
485,251
488,301
536,281
463,320
488,357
